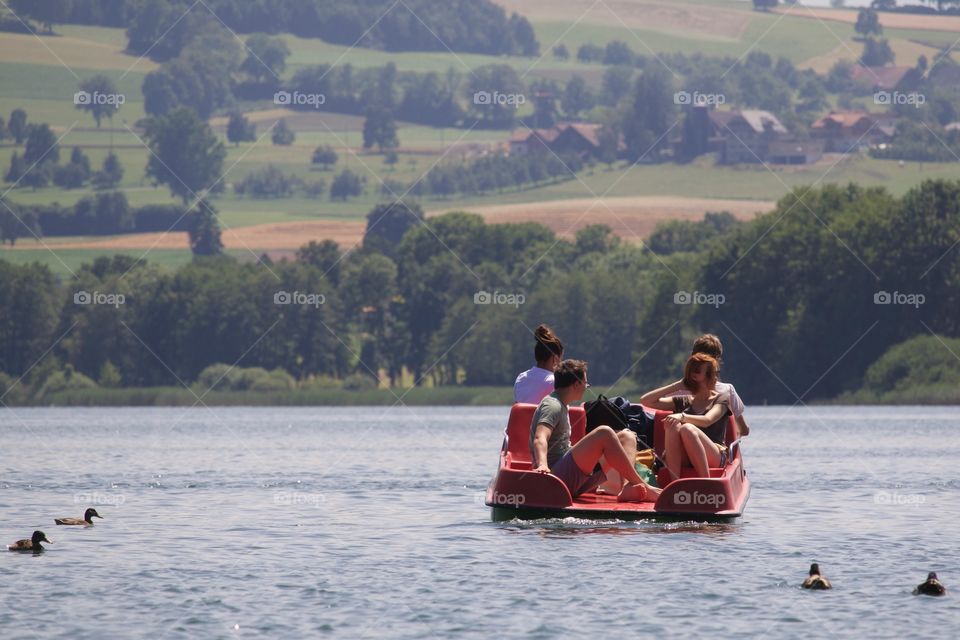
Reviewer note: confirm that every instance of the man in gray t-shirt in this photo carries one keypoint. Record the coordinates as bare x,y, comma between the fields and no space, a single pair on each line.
550,449
553,412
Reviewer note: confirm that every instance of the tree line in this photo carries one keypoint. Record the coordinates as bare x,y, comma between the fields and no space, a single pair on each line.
806,297
160,28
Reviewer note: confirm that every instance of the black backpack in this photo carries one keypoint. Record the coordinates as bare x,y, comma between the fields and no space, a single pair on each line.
619,414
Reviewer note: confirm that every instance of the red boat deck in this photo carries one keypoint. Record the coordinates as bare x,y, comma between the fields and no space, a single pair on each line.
518,491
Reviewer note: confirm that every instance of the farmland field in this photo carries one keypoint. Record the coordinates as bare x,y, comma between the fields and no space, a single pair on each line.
40,75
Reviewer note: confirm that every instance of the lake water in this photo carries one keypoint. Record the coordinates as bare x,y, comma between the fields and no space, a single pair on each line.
369,522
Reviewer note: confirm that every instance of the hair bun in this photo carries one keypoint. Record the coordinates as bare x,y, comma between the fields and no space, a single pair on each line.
543,333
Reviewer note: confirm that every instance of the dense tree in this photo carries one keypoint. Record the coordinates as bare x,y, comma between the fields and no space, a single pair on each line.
46,12
379,129
387,223
868,23
347,184
619,53
266,58
74,174
30,305
205,231
110,174
17,126
325,156
560,52
494,93
185,154
16,170
577,97
16,222
648,122
282,135
876,52
325,256
616,85
41,146
239,129
99,97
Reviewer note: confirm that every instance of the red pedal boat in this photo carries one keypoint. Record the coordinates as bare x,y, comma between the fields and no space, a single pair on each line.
519,492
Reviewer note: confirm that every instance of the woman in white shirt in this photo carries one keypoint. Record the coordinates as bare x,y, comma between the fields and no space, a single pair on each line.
534,384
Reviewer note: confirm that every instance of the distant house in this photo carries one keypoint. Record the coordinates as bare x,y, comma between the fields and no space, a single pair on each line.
953,126
531,141
885,78
794,151
846,131
745,136
580,138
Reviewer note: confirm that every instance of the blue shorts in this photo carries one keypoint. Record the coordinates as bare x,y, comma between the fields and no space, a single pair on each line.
576,480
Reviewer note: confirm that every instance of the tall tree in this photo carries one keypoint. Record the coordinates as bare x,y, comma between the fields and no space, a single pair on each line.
99,97
868,23
205,231
387,223
648,122
185,154
577,97
266,58
110,174
239,129
17,126
46,12
379,129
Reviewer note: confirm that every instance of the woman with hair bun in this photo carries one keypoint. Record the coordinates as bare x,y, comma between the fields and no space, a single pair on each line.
534,384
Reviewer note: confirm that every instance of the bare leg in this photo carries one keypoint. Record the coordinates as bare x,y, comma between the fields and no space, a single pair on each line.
673,450
614,481
603,441
700,449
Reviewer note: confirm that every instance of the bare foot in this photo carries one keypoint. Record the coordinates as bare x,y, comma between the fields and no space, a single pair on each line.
633,493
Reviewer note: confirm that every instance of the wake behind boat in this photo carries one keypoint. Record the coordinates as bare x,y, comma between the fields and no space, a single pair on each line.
519,492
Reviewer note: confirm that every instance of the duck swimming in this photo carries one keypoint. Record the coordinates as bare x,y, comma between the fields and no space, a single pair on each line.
86,520
33,544
932,587
815,580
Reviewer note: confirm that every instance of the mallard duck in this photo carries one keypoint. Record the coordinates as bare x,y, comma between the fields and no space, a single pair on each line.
932,587
815,580
86,520
32,545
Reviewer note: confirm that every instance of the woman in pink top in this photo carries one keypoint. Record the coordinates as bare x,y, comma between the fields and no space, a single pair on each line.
534,384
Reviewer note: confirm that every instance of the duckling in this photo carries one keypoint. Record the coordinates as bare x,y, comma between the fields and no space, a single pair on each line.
932,587
32,545
86,520
815,580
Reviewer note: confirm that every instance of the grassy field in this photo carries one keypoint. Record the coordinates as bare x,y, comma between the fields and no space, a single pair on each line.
41,75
